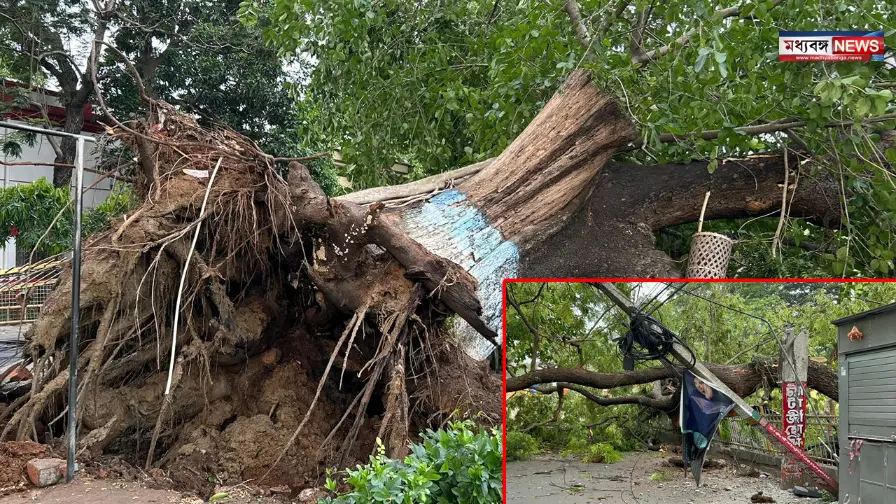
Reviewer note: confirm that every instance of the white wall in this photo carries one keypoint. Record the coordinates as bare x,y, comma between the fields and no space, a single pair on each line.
42,151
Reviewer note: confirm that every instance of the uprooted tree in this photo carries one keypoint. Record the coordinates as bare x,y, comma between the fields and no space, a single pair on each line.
239,317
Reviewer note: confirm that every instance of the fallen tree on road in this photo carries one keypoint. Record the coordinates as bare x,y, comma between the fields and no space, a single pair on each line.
744,379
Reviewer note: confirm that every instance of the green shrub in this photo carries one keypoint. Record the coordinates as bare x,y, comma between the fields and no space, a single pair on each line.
119,201
660,477
27,210
552,437
598,452
461,464
576,446
521,446
602,452
614,435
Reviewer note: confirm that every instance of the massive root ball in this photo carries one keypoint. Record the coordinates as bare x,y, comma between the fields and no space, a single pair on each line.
305,328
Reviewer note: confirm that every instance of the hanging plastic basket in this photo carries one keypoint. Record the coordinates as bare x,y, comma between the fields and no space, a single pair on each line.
710,253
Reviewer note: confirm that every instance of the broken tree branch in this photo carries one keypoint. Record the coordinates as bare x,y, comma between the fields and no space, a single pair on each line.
664,403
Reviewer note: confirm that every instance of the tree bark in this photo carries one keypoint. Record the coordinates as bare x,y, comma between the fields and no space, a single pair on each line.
75,98
664,403
522,196
612,235
527,190
743,379
74,121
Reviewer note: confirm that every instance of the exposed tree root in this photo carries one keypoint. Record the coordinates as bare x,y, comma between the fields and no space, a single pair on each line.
281,286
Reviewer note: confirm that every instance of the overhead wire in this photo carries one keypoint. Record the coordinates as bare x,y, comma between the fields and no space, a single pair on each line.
780,344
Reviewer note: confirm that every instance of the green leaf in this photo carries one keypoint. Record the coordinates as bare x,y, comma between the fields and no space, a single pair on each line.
701,59
842,253
219,496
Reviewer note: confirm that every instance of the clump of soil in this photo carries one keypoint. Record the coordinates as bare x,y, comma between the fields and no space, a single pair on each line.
13,457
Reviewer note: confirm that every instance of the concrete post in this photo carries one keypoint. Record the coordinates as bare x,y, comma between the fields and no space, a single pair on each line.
793,367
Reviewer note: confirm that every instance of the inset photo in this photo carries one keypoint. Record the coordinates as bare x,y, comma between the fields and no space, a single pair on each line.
700,392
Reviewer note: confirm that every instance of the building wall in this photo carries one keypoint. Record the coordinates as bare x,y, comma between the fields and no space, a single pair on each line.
42,151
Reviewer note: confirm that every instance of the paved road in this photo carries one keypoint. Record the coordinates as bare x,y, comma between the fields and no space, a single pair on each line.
641,478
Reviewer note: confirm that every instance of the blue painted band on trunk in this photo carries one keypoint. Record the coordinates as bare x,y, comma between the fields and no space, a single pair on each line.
450,226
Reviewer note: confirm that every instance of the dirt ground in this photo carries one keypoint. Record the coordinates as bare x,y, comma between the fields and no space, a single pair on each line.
555,479
93,491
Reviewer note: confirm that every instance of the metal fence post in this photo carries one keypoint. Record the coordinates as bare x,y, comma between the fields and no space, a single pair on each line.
76,318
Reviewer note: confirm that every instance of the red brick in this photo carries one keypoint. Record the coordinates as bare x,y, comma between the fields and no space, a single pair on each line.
45,472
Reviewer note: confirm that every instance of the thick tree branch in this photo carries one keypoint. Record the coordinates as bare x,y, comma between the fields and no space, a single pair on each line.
631,202
664,403
571,7
621,5
743,379
639,26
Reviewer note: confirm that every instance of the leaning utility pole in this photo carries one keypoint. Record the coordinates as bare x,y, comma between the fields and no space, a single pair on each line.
744,410
793,370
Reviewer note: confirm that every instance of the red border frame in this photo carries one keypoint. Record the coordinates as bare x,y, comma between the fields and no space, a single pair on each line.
620,280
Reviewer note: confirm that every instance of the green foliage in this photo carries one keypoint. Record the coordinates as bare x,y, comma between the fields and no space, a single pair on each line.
576,446
602,452
521,446
592,452
461,464
119,201
444,84
27,210
661,477
440,84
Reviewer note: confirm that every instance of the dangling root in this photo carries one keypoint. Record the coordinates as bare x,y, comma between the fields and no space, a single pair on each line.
396,419
356,321
163,411
396,331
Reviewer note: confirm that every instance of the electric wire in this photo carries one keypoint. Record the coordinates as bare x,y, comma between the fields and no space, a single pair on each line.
780,344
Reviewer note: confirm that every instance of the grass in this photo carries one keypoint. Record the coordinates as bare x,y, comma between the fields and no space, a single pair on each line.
660,477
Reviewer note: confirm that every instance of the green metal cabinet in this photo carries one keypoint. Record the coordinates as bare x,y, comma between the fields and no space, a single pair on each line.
867,389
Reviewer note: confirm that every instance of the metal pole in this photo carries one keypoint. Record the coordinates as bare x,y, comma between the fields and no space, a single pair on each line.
76,319
44,131
743,409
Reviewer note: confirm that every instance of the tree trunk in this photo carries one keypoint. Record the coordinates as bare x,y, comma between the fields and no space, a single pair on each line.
74,121
612,235
743,379
523,196
526,191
